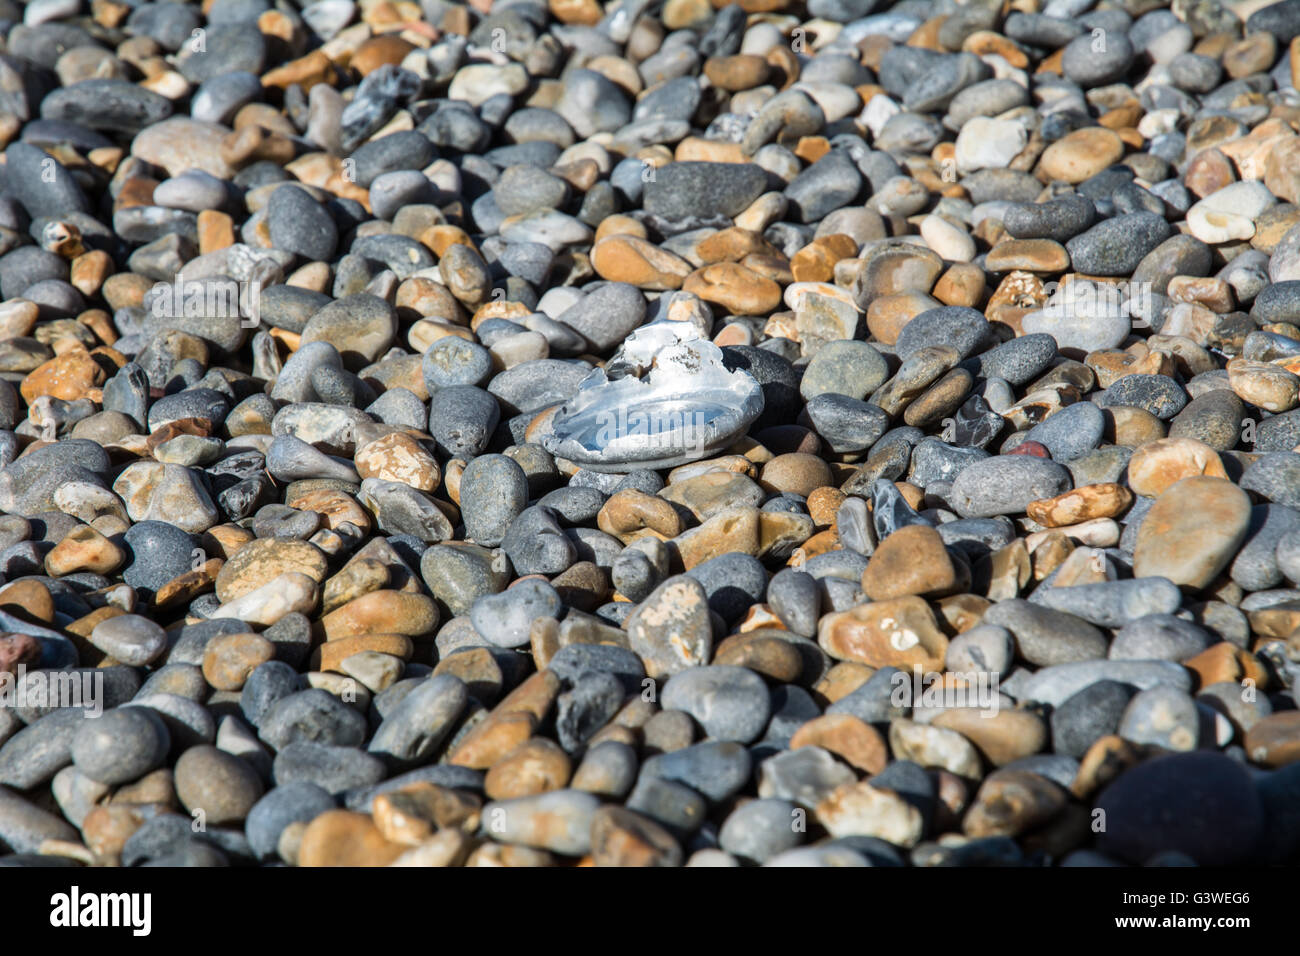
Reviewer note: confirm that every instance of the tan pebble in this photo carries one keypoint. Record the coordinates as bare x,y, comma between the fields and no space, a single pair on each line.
900,632
1028,255
1106,759
415,812
734,287
823,504
344,838
732,245
492,739
734,73
1275,740
887,315
619,225
846,736
334,507
331,655
1192,531
84,549
536,766
382,612
859,809
1131,426
1079,155
631,514
1268,386
798,473
1224,662
815,262
70,376
378,51
90,270
912,560
638,262
961,284
707,494
106,830
497,854
263,559
932,746
1081,504
398,457
1158,465
29,599
1208,172
1002,737
958,613
229,659
359,576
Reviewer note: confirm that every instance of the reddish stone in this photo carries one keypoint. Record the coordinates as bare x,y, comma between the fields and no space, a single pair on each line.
1031,448
17,649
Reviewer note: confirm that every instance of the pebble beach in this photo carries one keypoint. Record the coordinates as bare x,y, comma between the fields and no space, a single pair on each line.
552,433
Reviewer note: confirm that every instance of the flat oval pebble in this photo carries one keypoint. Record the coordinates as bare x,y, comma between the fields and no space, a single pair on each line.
1006,485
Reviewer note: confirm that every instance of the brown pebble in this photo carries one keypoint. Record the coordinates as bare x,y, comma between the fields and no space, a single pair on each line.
912,560
536,766
229,659
344,838
846,736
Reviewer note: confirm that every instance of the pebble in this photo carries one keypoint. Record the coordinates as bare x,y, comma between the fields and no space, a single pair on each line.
121,746
24,826
1199,804
670,630
913,560
130,638
1116,246
312,715
280,808
1192,531
1052,685
1162,716
621,837
1006,484
730,703
223,787
506,619
1046,637
1087,716
418,724
560,821
714,769
333,769
1113,603
344,838
1159,637
1158,394
493,492
844,367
